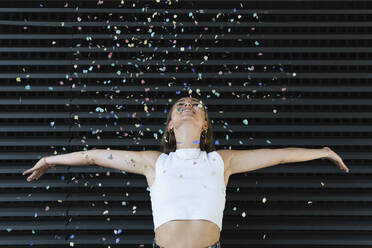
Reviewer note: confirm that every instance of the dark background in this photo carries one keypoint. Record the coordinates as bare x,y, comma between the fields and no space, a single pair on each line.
283,74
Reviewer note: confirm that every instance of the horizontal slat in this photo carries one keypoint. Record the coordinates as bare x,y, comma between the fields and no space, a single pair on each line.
195,62
190,49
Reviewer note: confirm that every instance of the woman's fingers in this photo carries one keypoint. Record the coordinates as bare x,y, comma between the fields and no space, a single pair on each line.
28,171
31,177
37,171
34,175
334,157
344,166
339,162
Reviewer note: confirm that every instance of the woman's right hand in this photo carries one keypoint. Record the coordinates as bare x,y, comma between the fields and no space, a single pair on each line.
38,170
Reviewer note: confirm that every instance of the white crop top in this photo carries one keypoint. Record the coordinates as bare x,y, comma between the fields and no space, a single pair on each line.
189,184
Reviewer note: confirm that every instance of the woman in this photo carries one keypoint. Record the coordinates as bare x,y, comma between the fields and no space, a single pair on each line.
188,197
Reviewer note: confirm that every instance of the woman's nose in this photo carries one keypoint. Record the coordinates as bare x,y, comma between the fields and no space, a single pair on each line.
188,103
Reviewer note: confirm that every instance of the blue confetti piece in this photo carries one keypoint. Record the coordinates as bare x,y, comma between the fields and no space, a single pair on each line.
99,109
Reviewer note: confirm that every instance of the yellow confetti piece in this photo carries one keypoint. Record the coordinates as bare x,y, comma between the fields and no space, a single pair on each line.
264,200
18,79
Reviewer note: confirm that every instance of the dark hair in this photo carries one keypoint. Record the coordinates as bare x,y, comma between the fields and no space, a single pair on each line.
168,141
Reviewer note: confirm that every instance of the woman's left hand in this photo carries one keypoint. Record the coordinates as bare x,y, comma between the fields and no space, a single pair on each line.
335,159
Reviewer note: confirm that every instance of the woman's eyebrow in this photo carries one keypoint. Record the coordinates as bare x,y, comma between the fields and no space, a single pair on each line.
184,100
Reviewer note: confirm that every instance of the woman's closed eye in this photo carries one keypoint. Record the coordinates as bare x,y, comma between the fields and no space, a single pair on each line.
192,104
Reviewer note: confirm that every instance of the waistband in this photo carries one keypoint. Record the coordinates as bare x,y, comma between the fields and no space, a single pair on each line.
215,245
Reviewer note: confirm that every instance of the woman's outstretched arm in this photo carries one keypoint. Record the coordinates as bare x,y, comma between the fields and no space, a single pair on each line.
250,160
294,154
129,161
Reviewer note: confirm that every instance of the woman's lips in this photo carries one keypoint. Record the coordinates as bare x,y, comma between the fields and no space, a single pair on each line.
184,111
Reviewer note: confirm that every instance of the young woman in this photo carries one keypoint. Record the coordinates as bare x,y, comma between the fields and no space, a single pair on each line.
188,178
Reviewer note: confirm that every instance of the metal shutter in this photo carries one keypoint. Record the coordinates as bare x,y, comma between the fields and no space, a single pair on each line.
273,74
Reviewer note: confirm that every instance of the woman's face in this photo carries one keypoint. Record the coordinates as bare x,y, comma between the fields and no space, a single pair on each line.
181,111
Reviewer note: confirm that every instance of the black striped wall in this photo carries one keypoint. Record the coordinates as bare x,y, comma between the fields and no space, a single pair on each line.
297,71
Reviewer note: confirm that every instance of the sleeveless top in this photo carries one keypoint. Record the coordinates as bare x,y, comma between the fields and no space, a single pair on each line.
189,185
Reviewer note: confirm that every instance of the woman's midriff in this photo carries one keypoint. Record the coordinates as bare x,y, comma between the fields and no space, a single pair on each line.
187,233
